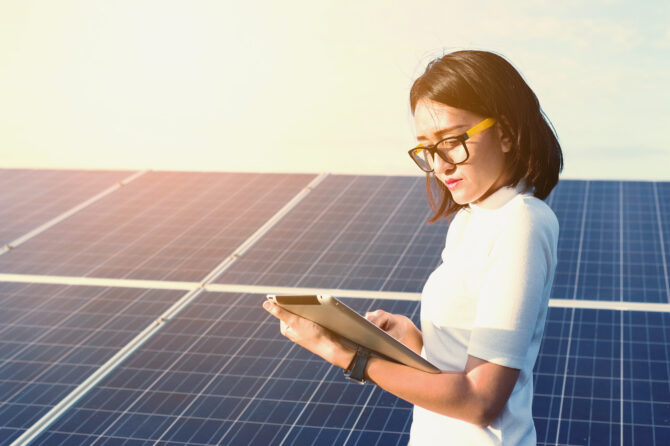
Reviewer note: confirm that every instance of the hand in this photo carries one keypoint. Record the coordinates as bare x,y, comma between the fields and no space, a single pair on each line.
311,336
400,327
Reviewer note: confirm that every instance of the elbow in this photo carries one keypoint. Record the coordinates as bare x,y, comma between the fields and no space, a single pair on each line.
485,415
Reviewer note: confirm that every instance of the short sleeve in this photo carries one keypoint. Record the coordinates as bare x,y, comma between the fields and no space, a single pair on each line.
515,284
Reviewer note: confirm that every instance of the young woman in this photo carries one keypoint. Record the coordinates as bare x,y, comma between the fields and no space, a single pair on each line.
492,157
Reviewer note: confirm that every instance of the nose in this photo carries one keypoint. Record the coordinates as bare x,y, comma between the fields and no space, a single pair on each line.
441,165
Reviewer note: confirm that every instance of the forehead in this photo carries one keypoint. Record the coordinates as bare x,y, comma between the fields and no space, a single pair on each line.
431,117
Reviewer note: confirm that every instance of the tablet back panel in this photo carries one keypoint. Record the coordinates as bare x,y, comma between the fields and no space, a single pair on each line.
329,312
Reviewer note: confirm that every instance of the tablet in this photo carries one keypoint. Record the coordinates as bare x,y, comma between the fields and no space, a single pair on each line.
332,314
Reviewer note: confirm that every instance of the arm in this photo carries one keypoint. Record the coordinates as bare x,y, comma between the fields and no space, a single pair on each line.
476,395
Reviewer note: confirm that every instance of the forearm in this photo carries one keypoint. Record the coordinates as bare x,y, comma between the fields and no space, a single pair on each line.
449,393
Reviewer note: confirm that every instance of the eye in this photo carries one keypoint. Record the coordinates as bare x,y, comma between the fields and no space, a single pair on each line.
448,144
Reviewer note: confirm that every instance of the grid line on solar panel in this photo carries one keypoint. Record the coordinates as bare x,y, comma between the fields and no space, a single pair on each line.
53,337
30,198
164,225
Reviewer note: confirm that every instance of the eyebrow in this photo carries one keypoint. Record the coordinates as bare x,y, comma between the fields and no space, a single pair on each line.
440,133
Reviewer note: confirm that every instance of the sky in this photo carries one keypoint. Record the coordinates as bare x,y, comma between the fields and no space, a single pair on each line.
316,86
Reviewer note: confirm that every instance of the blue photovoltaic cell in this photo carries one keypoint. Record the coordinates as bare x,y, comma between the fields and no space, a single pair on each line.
52,337
220,373
29,198
351,232
162,226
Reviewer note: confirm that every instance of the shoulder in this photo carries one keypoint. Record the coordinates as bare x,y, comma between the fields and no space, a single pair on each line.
529,214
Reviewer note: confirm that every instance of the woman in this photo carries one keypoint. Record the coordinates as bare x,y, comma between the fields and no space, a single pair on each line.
492,156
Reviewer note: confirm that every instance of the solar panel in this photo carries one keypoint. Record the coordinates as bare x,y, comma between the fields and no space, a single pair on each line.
357,232
616,225
29,198
220,373
352,232
53,337
612,388
162,226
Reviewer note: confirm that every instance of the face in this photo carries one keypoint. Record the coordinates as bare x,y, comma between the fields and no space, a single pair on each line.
484,171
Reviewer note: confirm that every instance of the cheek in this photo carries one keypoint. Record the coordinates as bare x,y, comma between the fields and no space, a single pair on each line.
489,159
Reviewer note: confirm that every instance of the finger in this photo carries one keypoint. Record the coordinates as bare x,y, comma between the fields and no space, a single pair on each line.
279,312
372,315
283,328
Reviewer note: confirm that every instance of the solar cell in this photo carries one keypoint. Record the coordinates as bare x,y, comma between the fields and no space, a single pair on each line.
52,337
352,232
162,226
30,198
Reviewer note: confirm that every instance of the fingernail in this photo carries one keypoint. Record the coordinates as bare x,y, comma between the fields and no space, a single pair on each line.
266,305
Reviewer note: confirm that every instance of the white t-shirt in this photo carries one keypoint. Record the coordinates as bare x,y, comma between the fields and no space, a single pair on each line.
489,299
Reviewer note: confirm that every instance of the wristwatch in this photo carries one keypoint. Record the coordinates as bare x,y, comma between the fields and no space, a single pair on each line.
356,369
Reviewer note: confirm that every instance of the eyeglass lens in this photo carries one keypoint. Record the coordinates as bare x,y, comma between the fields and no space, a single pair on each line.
451,152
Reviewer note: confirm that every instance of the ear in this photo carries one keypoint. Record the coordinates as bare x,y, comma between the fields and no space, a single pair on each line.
504,133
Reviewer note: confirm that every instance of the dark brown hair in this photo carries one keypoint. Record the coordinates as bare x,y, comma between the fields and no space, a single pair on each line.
487,84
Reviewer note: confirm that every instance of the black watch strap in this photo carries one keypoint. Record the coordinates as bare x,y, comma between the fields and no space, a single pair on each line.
356,370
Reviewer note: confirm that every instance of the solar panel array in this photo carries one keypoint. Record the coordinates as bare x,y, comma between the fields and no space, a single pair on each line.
218,372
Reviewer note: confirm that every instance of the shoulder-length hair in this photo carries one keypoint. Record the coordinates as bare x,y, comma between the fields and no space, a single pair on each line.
487,84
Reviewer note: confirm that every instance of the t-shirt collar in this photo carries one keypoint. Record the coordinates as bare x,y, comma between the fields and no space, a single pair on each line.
501,197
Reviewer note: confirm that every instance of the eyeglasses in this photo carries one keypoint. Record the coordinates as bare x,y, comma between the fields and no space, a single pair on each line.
451,149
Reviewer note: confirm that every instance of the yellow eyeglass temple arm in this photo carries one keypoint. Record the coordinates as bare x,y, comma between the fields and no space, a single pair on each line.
486,123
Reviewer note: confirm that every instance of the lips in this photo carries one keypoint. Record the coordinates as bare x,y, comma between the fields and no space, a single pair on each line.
452,183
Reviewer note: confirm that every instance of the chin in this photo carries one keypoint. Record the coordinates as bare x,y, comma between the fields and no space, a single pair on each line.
459,199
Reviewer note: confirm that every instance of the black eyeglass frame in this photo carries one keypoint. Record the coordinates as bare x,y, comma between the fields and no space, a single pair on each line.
432,149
